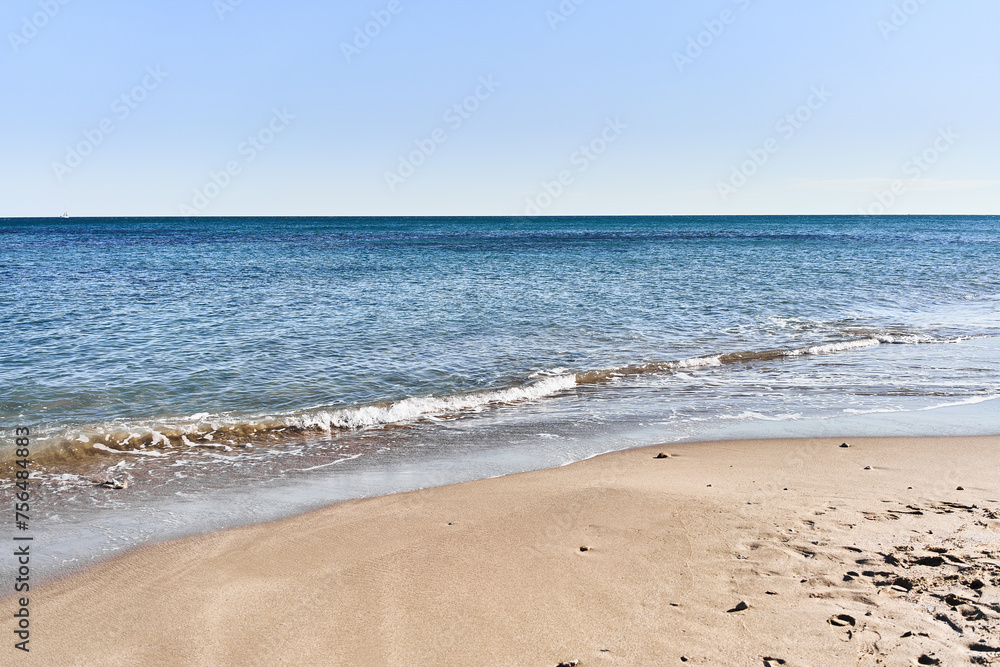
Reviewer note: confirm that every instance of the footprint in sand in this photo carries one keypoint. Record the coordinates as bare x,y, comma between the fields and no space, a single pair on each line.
842,620
844,624
867,640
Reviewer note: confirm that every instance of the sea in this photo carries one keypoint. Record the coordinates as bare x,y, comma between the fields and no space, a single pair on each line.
185,375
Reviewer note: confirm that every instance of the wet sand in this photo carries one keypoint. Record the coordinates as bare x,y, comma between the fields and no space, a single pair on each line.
861,555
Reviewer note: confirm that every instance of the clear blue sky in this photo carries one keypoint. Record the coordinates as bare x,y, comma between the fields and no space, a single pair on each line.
895,80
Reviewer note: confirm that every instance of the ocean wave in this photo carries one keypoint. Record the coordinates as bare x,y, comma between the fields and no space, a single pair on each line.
411,409
841,346
222,432
750,356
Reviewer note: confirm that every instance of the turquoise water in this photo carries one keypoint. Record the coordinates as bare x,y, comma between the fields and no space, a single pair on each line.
238,370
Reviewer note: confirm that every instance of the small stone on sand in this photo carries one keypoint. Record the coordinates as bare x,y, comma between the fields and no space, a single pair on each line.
740,606
664,455
960,488
868,467
584,548
845,445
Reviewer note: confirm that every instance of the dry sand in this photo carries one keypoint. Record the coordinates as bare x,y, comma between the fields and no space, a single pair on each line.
838,564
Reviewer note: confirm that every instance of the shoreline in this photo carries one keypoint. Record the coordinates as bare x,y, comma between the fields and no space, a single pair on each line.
494,568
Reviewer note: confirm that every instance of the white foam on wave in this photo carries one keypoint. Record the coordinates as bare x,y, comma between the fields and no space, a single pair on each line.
413,408
327,465
873,411
749,414
842,346
912,339
105,448
873,341
700,362
972,400
548,372
968,401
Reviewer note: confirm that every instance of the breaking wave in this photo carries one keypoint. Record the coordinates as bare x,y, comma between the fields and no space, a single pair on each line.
225,432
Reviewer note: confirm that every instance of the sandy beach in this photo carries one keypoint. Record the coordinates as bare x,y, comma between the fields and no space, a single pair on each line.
775,552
